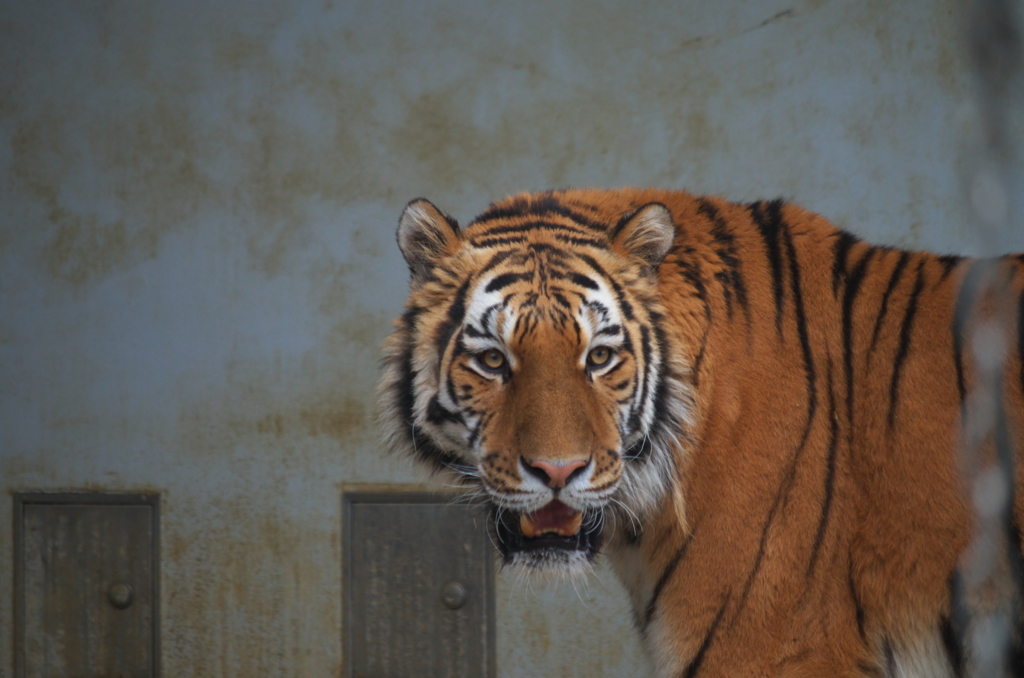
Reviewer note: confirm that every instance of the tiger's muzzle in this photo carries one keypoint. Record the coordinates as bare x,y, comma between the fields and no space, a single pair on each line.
561,522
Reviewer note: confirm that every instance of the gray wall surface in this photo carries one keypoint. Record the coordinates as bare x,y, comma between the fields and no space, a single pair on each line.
197,259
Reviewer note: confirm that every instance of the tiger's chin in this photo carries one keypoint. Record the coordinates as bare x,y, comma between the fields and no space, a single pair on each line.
555,541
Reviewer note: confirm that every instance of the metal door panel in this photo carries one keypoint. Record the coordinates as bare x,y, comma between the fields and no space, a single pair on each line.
86,588
419,588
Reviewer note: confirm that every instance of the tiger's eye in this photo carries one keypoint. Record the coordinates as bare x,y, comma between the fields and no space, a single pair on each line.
493,360
599,356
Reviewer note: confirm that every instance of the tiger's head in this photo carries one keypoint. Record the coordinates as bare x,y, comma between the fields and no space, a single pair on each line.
532,367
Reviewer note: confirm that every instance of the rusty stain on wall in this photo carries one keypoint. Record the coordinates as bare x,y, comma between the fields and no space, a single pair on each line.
154,186
158,150
246,596
340,420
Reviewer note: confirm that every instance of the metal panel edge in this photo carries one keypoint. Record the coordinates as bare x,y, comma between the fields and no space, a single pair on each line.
18,594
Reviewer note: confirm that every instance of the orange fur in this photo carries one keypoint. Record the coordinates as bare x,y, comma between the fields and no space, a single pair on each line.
814,509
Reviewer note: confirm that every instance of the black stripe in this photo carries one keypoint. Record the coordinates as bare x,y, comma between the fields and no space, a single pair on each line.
496,260
661,418
407,375
492,310
491,242
786,485
666,574
456,313
585,242
952,644
537,205
467,393
849,297
517,207
438,414
858,608
700,354
801,325
561,300
760,550
560,319
621,224
724,243
471,331
505,279
627,308
964,304
890,658
894,279
423,446
768,217
555,253
458,350
904,345
584,281
638,402
723,279
783,492
841,250
948,262
553,206
525,227
830,474
698,658
474,434
627,345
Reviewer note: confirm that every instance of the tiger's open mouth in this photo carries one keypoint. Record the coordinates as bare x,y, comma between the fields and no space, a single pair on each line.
556,532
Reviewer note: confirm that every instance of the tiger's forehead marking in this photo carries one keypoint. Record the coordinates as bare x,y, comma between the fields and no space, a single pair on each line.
526,219
519,290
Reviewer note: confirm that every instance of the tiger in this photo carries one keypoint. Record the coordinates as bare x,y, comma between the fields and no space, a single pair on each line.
755,416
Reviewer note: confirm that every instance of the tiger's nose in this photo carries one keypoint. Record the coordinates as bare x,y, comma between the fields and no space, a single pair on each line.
555,476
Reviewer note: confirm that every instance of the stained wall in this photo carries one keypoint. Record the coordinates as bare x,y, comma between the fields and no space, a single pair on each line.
197,260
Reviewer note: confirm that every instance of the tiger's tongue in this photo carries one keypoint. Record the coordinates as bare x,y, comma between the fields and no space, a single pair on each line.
554,518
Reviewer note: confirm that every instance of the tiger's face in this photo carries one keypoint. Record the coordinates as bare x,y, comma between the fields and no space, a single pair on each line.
530,364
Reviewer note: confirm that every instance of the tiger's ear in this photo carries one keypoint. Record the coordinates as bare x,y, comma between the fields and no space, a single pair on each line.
647,233
425,234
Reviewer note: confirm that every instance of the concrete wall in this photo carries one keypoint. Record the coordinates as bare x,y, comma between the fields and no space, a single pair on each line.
197,262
